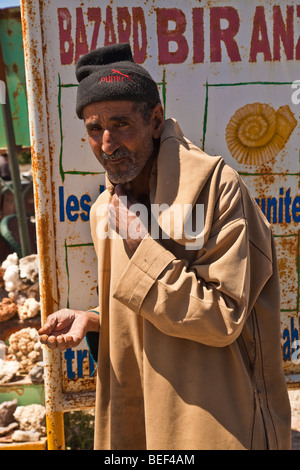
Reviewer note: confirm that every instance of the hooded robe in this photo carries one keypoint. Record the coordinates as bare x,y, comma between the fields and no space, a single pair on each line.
189,353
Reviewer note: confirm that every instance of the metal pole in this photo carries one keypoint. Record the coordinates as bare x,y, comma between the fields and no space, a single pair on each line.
44,210
14,167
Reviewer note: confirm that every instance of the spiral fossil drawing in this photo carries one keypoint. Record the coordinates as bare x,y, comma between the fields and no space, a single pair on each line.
256,133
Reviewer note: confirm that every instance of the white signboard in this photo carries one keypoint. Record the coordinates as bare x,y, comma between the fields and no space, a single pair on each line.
227,70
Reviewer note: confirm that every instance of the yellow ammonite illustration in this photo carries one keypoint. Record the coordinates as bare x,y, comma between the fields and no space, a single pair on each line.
256,132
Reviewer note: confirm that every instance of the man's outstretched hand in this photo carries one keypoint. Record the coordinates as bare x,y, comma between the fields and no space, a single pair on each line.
67,328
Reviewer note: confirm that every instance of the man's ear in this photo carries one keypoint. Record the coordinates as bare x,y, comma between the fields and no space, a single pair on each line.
157,121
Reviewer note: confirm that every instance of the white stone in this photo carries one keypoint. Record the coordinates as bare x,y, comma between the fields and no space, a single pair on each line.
31,417
25,436
8,370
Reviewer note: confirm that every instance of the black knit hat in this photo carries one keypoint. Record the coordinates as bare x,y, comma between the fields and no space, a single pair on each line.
109,73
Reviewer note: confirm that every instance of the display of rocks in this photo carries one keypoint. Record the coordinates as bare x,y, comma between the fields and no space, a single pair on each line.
19,283
20,279
31,417
25,347
22,423
21,353
8,371
7,409
36,374
25,436
8,309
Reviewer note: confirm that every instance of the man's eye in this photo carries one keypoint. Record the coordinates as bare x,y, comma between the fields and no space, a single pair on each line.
94,129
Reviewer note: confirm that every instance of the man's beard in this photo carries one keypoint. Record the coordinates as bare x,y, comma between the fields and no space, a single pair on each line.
135,164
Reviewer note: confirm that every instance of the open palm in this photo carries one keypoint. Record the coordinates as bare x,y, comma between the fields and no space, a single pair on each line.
64,329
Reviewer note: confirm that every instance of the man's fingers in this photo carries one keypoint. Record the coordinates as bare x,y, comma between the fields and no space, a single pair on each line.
66,341
49,325
72,341
45,329
43,339
61,345
51,342
61,342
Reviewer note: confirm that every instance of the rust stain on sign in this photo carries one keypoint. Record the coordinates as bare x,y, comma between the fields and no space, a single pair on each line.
40,164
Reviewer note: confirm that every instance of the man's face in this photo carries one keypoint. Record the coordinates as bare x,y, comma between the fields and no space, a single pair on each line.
119,137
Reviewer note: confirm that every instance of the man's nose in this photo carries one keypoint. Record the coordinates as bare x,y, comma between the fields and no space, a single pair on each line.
109,143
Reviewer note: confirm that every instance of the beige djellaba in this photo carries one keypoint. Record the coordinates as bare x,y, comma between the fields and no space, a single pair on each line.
189,353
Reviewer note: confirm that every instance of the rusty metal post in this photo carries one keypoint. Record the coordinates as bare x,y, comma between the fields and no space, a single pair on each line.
14,166
41,166
53,400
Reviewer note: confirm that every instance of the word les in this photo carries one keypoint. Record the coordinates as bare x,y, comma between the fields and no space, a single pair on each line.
73,207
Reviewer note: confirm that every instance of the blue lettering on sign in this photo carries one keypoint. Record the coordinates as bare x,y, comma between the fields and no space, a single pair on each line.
282,209
75,360
291,340
73,207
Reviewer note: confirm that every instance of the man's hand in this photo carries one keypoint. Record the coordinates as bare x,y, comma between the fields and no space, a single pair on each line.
67,328
130,226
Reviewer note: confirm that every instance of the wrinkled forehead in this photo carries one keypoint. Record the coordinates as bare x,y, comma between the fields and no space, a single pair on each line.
112,110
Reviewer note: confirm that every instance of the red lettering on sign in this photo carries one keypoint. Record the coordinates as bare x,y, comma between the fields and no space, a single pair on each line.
260,45
66,45
283,32
139,24
198,35
80,35
124,24
298,43
81,46
110,35
175,27
226,35
94,14
165,36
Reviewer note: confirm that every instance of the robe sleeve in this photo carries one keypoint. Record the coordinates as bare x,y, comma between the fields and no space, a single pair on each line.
206,301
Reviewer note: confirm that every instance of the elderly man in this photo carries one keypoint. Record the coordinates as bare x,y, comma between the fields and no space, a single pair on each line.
188,325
